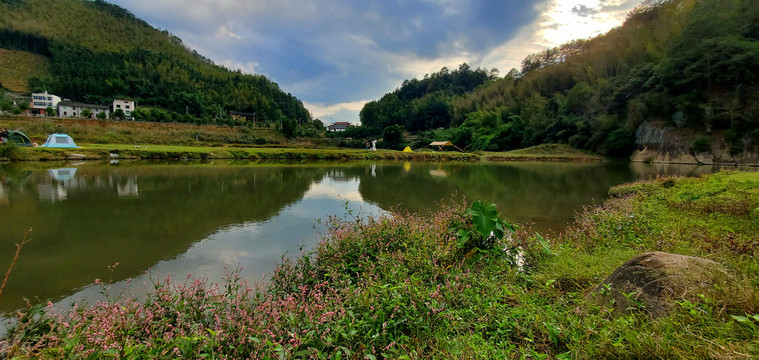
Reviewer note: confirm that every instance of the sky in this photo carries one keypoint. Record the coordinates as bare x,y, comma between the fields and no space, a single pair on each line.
336,55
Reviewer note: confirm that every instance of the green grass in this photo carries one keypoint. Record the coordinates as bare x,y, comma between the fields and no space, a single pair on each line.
400,287
545,152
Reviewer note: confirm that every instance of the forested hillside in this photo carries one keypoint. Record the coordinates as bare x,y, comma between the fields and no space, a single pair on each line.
688,64
99,51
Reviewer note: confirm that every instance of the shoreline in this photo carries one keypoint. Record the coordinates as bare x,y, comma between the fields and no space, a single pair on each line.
403,286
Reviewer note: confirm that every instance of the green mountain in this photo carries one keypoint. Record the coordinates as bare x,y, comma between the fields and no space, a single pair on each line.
689,65
98,51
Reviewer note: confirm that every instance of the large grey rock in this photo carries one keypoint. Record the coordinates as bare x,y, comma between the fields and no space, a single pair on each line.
654,281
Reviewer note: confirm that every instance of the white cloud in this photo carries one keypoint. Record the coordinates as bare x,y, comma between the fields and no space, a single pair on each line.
247,67
559,23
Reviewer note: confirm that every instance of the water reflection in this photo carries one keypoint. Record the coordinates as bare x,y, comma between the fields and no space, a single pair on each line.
201,220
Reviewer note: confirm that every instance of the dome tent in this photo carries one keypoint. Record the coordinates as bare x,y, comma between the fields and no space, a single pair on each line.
59,141
18,138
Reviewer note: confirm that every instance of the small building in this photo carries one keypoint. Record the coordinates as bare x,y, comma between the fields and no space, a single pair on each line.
68,108
42,101
239,115
127,106
339,126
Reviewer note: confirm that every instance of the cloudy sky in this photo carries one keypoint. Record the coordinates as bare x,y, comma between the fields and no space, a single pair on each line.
335,55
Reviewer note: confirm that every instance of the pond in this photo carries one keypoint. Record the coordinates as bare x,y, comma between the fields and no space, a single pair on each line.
204,219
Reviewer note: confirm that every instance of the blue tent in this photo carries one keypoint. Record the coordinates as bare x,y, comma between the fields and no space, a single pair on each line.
59,141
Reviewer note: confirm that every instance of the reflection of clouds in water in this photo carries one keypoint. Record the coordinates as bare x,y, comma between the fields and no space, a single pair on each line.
254,247
334,189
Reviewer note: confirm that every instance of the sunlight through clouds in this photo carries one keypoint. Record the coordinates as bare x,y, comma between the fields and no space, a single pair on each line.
335,55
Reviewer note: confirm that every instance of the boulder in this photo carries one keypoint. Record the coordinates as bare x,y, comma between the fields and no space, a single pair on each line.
652,282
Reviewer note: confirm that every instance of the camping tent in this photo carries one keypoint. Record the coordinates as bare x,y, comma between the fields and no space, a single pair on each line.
59,141
408,149
440,145
18,138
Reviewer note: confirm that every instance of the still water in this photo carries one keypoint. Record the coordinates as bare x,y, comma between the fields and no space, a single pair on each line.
176,219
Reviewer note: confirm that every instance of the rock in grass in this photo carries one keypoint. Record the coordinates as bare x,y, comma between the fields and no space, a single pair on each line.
652,282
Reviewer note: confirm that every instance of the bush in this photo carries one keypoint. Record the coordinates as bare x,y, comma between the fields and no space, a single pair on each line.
620,143
702,144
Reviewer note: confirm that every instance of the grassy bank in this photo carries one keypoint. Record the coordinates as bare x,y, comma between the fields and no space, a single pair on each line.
135,132
407,287
545,152
162,152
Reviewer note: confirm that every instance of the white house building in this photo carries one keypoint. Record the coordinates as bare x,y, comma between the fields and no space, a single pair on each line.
127,106
41,101
68,108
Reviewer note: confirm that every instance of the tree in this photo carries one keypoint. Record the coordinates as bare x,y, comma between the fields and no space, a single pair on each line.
119,114
86,113
49,111
288,127
101,115
392,136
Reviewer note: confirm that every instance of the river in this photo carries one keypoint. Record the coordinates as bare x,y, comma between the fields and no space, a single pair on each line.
202,219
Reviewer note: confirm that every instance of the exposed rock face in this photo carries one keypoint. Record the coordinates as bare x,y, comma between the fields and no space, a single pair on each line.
653,281
658,143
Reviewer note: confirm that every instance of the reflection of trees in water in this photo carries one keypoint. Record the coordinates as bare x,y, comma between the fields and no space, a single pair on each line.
95,226
525,192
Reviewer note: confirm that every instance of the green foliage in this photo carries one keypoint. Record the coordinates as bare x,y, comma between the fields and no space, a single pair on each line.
690,63
101,115
99,51
86,113
489,228
119,114
702,144
392,137
8,150
424,104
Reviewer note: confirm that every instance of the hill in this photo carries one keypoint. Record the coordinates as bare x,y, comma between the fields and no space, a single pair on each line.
677,64
98,51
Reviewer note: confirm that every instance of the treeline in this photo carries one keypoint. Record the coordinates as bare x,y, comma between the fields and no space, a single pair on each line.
423,104
162,74
683,63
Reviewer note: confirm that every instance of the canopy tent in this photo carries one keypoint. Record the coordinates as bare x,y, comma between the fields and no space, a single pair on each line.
440,145
59,141
18,138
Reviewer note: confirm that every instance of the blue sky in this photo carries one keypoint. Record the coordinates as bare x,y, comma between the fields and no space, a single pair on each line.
335,55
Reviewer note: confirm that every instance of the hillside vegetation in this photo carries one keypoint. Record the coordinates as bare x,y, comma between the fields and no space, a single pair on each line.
99,51
20,66
683,63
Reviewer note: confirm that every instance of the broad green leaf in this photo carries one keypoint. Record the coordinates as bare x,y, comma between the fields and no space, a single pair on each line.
484,217
463,236
544,243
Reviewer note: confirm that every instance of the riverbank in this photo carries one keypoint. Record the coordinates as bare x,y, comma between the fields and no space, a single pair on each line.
172,152
406,286
109,139
544,152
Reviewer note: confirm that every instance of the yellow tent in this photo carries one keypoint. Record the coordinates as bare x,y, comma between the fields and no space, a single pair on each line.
408,149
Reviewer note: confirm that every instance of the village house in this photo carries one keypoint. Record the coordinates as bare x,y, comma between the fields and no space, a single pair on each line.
68,108
42,101
127,106
339,126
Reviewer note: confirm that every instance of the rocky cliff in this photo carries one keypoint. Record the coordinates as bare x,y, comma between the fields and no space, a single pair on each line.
660,143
